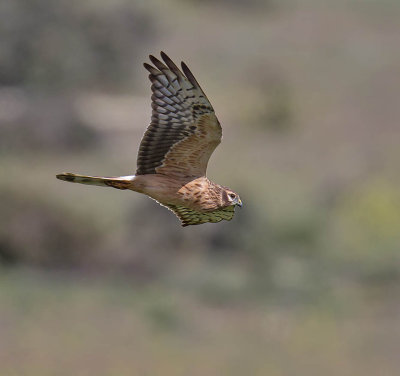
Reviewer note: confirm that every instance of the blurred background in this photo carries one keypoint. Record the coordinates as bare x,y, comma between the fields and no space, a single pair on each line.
303,281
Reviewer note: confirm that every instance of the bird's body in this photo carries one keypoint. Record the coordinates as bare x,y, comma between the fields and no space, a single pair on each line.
175,149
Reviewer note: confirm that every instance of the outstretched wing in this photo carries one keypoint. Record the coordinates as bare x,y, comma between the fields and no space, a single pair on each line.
184,130
192,217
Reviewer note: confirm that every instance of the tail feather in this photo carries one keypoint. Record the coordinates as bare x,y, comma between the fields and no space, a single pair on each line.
121,182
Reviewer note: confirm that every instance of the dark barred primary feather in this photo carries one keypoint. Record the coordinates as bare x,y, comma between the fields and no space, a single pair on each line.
178,103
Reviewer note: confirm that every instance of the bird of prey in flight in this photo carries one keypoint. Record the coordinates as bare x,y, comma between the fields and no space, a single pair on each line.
175,149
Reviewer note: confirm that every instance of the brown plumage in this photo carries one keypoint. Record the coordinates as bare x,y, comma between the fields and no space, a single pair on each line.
175,149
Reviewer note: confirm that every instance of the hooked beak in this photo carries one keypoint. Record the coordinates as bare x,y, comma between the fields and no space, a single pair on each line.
239,202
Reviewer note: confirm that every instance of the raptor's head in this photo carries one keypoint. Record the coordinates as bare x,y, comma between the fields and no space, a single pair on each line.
230,198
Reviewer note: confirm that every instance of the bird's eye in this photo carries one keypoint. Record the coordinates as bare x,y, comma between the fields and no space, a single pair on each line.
232,195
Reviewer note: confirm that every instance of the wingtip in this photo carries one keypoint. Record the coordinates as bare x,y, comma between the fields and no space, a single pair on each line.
189,75
164,55
154,60
186,70
150,68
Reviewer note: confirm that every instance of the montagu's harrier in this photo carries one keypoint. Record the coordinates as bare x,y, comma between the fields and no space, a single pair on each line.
175,149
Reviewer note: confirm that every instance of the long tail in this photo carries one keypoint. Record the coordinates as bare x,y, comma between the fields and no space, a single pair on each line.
121,182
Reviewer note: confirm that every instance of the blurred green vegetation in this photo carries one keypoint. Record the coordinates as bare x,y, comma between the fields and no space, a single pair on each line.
106,282
63,324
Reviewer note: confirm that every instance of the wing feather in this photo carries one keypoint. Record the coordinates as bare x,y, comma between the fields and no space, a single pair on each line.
192,217
184,130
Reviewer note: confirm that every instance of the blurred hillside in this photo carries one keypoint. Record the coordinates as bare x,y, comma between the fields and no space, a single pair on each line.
307,94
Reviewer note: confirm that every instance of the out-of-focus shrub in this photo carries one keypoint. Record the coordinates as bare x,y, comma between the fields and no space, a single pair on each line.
365,232
41,122
34,232
71,44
